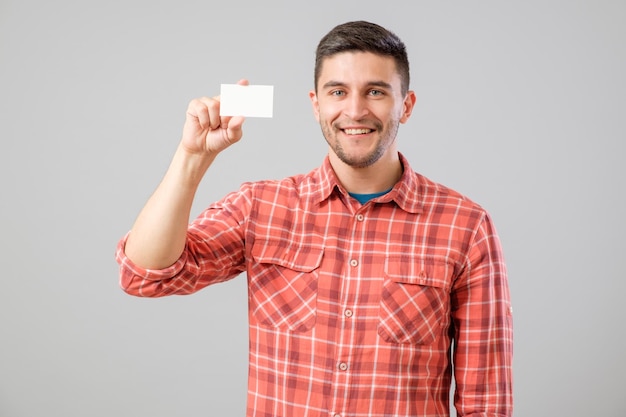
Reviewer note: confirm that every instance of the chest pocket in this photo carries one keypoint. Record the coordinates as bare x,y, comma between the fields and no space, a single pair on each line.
415,300
283,285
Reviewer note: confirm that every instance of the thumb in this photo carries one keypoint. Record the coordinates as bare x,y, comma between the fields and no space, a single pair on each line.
235,128
243,81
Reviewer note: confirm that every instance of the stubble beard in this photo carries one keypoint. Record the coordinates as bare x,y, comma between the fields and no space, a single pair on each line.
387,135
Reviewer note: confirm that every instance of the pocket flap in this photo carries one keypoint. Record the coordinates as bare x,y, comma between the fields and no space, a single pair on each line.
427,271
303,258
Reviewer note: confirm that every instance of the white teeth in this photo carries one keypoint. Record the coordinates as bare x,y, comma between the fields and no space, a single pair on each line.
357,131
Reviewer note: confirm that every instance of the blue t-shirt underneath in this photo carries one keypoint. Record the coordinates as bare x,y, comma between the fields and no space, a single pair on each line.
364,198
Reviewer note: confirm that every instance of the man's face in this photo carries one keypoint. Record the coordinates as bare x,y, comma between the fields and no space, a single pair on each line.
359,105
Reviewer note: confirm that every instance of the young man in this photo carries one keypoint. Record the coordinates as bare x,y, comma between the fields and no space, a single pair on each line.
370,286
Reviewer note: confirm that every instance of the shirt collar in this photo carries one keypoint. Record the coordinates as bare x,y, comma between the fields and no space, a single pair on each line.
405,193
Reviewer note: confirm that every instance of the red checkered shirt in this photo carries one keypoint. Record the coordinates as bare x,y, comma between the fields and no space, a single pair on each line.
353,308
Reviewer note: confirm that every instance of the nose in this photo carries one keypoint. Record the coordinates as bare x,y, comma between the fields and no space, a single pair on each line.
356,107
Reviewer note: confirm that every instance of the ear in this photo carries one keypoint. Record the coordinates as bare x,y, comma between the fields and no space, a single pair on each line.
409,103
315,104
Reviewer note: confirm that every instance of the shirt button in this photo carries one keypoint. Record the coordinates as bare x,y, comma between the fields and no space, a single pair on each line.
343,366
354,262
359,217
348,313
337,415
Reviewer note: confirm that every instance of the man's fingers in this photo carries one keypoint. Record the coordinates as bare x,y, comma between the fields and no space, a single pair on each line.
213,106
207,111
197,109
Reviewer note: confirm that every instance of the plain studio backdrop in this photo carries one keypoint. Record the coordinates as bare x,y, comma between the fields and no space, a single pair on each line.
521,106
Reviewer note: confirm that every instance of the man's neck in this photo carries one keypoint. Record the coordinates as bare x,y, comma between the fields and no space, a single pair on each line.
379,177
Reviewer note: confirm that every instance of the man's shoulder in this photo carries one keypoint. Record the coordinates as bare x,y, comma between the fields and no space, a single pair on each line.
435,193
298,183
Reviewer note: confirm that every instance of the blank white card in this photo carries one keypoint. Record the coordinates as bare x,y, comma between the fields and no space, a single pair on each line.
247,100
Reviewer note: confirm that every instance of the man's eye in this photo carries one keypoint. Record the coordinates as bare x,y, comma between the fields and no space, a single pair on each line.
337,93
376,92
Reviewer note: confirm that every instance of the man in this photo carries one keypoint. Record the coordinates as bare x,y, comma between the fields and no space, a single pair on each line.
367,281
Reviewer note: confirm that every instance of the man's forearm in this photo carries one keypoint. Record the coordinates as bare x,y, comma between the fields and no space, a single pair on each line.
158,237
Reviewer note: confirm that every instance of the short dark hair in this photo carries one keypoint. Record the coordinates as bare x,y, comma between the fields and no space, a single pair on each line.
365,37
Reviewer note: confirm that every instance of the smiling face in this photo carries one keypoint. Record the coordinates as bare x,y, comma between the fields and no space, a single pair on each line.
359,105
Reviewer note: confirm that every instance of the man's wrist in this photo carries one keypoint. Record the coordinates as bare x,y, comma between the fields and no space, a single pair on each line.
191,167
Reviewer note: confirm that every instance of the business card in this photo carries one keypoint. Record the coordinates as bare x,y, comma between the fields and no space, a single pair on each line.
247,100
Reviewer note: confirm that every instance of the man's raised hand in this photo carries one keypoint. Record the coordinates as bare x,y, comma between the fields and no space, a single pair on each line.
205,131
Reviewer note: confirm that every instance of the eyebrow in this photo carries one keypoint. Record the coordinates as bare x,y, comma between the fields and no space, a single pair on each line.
381,84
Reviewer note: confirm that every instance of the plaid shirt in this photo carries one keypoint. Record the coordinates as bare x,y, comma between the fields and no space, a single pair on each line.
353,308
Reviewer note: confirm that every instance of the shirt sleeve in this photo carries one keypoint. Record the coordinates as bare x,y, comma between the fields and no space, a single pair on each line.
214,252
483,324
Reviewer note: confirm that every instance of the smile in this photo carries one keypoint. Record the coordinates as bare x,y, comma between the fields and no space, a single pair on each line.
357,131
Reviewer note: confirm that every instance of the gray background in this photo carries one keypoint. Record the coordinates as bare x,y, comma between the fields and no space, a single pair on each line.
521,106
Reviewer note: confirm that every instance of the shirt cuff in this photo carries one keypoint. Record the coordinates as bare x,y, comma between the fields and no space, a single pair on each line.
129,267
